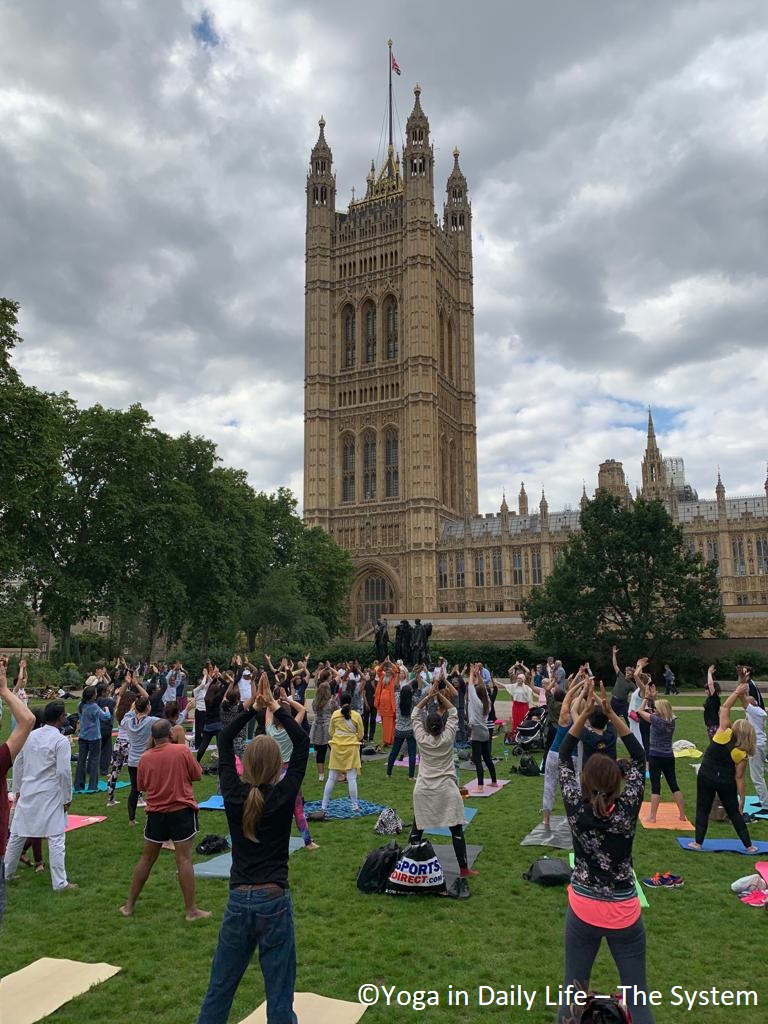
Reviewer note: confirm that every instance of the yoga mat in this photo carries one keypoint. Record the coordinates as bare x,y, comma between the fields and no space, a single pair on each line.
81,821
638,888
750,806
688,752
342,808
559,837
36,991
213,803
219,867
488,790
722,846
402,762
667,817
469,813
374,757
319,1009
450,865
102,788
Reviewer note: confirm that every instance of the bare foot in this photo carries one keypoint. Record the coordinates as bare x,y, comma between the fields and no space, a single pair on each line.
311,846
650,821
112,803
751,849
126,911
683,818
494,785
39,868
694,846
132,822
196,915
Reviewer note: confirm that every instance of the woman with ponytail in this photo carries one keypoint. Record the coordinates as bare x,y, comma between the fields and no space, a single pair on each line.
259,914
345,735
602,897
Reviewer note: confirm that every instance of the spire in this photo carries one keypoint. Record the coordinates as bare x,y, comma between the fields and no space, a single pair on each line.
504,505
584,499
653,473
543,505
321,147
457,210
522,501
720,489
321,184
651,445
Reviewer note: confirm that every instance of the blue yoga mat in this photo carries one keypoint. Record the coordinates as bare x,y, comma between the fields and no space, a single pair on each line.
469,813
213,803
751,805
102,788
722,846
342,808
219,867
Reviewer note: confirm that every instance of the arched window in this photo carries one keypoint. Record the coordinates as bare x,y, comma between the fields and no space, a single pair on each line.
348,469
444,478
376,601
441,332
348,319
369,467
453,474
391,464
370,332
450,349
390,319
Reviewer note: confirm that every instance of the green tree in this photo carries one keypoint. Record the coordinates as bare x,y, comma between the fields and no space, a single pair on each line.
9,337
324,573
625,578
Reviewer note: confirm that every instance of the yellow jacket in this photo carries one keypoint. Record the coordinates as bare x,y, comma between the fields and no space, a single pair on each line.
345,738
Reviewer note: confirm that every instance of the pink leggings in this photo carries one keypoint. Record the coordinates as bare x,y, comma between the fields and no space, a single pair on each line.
298,814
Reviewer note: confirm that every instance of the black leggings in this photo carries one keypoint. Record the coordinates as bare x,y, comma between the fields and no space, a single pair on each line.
199,723
321,749
481,751
133,797
207,737
369,723
706,790
457,838
658,766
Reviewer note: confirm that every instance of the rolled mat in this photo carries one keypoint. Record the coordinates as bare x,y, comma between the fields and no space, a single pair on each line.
82,821
469,813
667,817
34,992
319,1009
722,846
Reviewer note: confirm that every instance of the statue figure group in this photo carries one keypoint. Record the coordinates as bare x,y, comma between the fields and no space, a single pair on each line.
411,642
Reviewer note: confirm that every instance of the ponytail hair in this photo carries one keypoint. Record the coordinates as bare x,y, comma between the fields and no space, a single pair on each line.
601,783
262,763
345,705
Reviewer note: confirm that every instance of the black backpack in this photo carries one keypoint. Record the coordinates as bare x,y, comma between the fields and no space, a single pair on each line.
212,844
605,1010
527,767
549,871
377,867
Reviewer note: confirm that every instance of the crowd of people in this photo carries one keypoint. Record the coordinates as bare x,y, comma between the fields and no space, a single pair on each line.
258,718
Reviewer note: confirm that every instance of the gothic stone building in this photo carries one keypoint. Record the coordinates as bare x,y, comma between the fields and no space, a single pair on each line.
390,460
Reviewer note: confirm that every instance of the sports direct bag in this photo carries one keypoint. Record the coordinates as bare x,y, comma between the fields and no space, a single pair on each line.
417,871
377,866
389,823
548,871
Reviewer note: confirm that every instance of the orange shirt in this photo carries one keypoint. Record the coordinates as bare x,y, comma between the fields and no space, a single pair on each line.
384,697
166,774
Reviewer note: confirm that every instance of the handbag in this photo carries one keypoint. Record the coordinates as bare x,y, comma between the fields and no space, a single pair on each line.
388,823
417,871
548,871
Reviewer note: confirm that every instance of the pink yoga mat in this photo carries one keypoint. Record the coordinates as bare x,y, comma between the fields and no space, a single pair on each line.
488,789
402,762
82,821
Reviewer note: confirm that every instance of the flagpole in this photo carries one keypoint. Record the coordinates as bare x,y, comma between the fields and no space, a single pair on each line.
389,155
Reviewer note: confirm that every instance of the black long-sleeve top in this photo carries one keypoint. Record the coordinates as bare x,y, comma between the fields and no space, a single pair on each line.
265,860
602,847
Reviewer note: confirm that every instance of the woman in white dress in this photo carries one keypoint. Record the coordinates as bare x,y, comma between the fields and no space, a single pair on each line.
44,780
437,801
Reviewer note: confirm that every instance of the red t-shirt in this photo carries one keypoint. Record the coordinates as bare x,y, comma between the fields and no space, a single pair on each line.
166,774
5,810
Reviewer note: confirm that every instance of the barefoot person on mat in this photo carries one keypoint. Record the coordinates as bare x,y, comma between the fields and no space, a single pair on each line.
723,769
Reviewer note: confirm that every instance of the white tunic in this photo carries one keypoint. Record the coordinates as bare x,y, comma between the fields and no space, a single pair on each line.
437,801
43,777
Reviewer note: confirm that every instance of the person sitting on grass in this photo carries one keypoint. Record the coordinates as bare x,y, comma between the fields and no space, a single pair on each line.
722,770
661,756
259,912
602,896
166,772
437,802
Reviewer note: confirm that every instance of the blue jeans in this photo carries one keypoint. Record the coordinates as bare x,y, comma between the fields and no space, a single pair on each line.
254,920
410,741
88,754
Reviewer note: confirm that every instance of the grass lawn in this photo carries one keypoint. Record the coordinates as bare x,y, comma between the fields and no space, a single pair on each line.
509,932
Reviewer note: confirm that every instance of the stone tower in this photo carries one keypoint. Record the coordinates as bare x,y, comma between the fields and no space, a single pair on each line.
390,435
653,473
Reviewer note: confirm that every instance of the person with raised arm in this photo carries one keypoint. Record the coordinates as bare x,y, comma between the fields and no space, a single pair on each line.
602,896
24,724
722,771
259,915
568,704
712,703
623,687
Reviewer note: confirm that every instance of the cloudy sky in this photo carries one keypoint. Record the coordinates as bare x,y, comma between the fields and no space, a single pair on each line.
152,170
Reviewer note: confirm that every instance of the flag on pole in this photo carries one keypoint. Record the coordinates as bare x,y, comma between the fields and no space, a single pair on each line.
395,65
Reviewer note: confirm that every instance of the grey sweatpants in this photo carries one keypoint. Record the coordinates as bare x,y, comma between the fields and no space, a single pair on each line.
627,946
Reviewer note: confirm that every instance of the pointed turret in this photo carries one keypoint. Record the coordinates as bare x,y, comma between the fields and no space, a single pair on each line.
321,183
522,501
584,499
504,505
543,505
720,488
457,211
418,157
653,474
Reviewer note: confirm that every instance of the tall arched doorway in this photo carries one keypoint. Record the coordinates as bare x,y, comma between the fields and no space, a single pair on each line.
375,599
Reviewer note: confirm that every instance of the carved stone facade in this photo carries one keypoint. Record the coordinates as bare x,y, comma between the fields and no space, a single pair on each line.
390,458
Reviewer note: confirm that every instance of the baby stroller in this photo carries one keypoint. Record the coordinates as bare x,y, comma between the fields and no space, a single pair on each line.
531,733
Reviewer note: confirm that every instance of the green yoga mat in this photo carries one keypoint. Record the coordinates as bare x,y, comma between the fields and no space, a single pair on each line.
640,894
